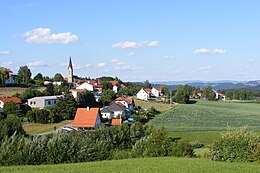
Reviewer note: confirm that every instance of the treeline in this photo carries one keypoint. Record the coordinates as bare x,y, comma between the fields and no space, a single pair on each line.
241,94
118,142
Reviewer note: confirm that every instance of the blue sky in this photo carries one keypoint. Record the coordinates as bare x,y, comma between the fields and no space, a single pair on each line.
134,40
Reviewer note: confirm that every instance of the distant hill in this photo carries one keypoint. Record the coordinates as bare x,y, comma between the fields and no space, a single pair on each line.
217,85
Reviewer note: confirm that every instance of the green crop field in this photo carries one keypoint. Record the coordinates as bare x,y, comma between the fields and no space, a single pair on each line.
209,116
162,107
163,164
10,91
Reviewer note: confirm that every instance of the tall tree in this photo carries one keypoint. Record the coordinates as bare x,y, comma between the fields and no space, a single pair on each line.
24,76
107,85
108,96
66,106
11,108
38,77
86,99
58,77
4,74
182,94
147,84
209,94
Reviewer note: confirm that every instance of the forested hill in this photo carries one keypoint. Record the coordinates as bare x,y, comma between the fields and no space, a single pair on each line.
217,85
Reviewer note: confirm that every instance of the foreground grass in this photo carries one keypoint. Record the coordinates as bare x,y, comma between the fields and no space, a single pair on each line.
37,128
162,107
164,164
10,91
209,116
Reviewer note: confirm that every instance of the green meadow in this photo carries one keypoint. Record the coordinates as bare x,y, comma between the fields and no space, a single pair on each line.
144,165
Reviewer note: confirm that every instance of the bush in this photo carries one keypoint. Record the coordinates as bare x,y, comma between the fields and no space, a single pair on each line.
236,146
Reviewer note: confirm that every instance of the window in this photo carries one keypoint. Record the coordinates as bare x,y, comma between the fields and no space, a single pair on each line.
31,103
49,102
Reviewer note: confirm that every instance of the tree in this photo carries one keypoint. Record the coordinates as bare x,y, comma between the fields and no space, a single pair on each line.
38,79
9,125
4,75
147,84
49,89
58,77
11,108
42,116
107,85
209,94
182,95
108,97
86,99
24,76
165,91
66,106
29,93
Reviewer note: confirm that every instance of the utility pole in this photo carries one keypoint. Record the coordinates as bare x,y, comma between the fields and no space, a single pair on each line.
171,98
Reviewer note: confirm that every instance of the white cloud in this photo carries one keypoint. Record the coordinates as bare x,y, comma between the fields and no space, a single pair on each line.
87,65
7,63
207,51
251,60
44,36
114,60
102,64
201,51
120,63
35,64
133,44
4,52
218,51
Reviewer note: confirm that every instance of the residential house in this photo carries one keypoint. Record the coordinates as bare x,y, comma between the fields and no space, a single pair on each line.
87,118
126,101
157,92
115,110
41,102
75,92
144,94
4,100
90,85
11,78
219,96
116,86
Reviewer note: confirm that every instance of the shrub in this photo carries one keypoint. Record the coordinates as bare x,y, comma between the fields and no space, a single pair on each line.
236,146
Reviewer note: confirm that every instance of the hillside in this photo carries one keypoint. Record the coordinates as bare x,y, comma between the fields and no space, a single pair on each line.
163,164
209,116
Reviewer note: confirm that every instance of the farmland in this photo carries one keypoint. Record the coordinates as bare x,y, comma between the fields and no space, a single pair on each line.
10,91
148,104
209,116
160,164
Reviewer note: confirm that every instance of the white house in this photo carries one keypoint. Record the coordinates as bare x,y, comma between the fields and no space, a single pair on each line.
219,96
157,92
144,94
75,92
114,110
86,86
127,102
41,102
4,100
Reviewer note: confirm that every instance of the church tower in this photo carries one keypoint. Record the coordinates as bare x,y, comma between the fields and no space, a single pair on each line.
70,71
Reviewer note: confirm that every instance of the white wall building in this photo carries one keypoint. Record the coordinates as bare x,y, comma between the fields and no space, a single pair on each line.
41,102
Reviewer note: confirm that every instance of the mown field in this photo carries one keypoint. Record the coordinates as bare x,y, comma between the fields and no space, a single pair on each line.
10,91
209,116
37,128
144,165
162,107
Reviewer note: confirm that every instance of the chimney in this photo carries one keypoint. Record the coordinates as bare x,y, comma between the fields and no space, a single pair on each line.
87,108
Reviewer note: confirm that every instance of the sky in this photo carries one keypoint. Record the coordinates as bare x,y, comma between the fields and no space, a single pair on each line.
134,40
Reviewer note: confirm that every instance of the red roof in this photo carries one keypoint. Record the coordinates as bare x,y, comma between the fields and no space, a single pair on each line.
78,90
113,82
158,89
8,99
116,122
127,100
122,86
86,118
7,69
148,90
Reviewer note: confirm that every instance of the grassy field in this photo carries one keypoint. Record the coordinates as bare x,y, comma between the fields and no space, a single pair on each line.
162,107
36,128
10,91
209,116
164,164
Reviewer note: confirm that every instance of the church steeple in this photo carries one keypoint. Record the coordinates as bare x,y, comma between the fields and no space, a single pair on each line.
70,72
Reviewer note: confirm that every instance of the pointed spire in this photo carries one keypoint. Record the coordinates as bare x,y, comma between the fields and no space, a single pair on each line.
70,63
